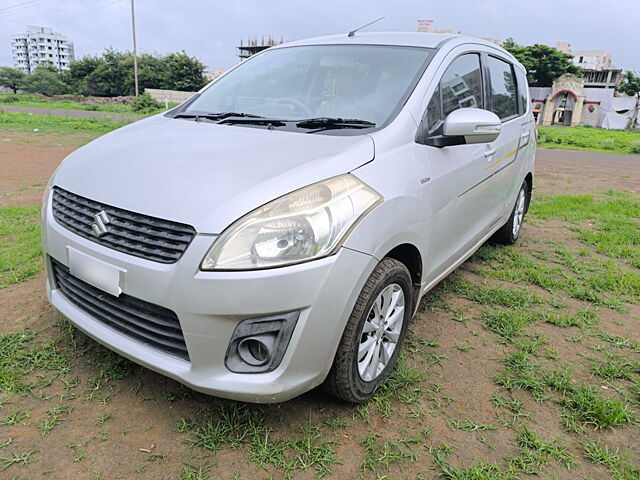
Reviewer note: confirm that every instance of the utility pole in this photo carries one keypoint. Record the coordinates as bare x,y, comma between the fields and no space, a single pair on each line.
135,50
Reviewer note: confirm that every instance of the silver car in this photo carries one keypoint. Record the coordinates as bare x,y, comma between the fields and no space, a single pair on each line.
277,231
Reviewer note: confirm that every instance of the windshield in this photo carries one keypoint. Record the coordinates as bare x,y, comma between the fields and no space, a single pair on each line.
319,82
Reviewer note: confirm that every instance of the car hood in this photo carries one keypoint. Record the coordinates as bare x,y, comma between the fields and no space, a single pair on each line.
204,174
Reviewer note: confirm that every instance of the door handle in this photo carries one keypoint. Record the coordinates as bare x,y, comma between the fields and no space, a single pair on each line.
525,135
489,153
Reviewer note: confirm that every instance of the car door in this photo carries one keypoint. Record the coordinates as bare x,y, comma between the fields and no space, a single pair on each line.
503,100
457,190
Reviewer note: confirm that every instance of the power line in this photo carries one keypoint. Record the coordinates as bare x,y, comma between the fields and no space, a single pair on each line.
66,18
23,7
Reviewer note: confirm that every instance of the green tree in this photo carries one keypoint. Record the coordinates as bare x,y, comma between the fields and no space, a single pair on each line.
79,72
630,85
509,43
111,74
544,64
184,72
112,77
46,80
11,78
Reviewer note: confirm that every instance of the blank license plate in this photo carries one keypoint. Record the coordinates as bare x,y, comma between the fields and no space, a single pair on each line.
100,274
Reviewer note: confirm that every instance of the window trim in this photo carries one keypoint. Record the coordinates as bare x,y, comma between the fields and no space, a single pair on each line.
430,132
525,89
515,82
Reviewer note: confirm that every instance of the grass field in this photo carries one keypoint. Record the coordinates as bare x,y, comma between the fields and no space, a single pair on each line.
528,305
522,364
24,100
53,125
591,139
20,248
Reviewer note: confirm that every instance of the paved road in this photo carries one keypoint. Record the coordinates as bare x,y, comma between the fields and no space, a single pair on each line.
120,117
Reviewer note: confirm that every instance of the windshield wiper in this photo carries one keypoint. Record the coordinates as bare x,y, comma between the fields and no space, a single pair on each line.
251,120
325,123
214,116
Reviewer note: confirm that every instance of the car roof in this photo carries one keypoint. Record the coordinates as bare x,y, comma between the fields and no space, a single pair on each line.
414,39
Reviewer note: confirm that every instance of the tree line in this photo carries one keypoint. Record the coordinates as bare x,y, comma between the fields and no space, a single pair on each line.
109,75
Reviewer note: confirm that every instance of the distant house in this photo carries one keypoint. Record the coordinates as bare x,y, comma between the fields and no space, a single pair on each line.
213,74
567,102
596,65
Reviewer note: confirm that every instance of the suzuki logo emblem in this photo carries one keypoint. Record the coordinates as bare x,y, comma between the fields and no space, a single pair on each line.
100,223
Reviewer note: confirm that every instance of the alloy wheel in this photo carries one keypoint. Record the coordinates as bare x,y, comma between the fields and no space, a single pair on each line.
381,332
518,215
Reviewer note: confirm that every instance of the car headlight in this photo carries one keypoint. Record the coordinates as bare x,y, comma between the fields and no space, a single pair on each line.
303,225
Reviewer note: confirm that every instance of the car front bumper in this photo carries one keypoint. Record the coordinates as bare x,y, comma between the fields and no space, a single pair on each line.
209,305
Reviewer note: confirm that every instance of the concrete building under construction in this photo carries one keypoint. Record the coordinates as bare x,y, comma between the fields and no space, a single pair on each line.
255,45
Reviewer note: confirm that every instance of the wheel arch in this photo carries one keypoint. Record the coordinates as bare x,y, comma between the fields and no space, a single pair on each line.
409,255
529,179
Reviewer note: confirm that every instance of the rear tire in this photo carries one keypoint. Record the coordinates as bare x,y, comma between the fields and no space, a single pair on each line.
372,338
510,231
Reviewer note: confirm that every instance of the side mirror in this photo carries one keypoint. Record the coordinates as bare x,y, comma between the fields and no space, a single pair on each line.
467,126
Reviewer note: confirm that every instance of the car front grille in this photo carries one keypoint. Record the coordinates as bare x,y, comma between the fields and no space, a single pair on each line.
150,324
133,233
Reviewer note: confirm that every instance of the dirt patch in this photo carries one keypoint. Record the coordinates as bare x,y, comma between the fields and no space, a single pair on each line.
27,162
572,171
456,356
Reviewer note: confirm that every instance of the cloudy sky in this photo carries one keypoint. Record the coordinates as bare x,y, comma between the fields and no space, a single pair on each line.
211,29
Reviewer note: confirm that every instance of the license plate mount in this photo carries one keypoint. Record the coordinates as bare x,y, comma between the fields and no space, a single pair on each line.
100,274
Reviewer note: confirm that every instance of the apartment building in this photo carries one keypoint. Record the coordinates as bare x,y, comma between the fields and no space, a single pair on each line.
41,45
596,65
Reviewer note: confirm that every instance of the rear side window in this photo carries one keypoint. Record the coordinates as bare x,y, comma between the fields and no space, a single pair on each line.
459,87
503,88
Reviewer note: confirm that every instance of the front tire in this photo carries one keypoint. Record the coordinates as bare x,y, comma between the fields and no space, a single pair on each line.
374,333
510,231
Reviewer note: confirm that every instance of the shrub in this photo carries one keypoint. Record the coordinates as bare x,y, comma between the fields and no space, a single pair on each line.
635,146
145,104
9,98
607,144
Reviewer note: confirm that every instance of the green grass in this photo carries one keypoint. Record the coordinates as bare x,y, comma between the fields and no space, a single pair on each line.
190,472
54,416
477,471
381,454
20,246
469,425
16,459
237,425
589,138
402,384
618,463
22,355
584,407
507,323
53,125
15,417
535,452
613,367
234,426
23,100
616,219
